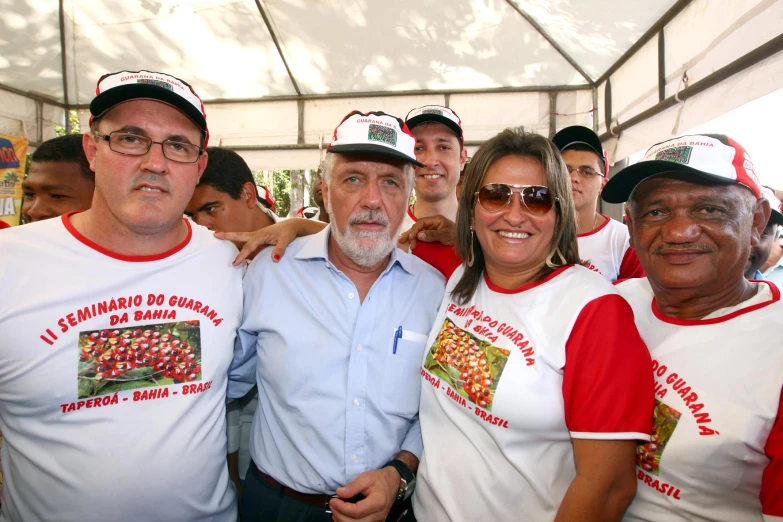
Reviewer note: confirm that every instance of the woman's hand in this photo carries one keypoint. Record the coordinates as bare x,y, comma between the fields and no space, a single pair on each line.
280,234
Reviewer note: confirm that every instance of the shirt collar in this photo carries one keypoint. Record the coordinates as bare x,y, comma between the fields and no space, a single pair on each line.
317,247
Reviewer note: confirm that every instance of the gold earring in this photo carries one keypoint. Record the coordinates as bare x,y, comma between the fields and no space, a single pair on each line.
471,256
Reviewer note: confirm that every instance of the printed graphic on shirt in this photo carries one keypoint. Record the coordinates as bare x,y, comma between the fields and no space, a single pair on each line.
648,455
470,366
135,357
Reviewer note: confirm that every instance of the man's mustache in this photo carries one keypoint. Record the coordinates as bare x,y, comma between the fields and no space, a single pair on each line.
673,248
369,216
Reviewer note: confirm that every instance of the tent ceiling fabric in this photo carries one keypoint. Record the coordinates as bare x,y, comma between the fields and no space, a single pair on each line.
277,75
225,49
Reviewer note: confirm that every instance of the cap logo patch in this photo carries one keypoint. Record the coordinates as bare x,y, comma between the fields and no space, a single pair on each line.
432,111
156,83
382,134
675,155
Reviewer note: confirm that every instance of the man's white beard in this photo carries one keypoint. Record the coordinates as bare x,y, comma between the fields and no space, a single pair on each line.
365,248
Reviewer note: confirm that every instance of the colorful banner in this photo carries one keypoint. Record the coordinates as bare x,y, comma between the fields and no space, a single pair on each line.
13,157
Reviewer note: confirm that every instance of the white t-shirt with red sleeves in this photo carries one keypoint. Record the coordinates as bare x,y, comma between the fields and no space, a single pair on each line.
510,378
408,220
607,250
113,377
717,449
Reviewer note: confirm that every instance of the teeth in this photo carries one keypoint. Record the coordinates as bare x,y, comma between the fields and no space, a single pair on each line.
431,176
513,235
150,189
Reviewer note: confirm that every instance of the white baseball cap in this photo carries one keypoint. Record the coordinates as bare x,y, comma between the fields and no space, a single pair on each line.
375,132
438,114
118,87
713,158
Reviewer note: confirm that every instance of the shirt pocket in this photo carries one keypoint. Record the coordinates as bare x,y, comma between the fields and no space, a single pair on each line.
402,382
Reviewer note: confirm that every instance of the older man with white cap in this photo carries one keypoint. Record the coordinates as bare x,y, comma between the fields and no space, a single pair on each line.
694,212
113,351
334,335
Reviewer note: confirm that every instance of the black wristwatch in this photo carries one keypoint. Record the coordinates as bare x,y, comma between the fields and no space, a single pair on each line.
407,479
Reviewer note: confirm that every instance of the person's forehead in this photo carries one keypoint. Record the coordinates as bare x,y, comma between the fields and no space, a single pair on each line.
150,113
205,193
576,158
674,185
368,163
433,130
54,173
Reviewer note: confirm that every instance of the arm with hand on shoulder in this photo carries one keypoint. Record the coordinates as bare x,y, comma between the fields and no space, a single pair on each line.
432,229
280,235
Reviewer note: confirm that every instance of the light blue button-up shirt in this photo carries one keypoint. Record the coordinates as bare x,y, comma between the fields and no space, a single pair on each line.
335,399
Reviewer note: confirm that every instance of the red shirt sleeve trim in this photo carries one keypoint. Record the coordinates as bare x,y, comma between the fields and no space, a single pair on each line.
607,379
441,257
527,286
410,213
132,259
630,267
701,322
771,495
597,230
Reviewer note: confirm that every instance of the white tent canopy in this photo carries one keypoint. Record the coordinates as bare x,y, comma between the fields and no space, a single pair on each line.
276,76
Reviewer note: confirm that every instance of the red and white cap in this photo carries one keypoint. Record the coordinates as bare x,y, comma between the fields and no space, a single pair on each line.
776,216
711,158
438,114
374,132
118,87
265,196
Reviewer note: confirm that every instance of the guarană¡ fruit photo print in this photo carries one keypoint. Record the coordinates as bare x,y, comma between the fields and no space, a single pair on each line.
472,367
132,357
648,455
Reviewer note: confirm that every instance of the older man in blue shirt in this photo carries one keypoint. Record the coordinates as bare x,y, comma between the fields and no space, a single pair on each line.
334,336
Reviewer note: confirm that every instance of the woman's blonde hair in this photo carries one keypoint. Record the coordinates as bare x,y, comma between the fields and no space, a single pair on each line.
515,142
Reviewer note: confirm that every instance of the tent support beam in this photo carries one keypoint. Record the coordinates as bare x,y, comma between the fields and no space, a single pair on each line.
277,46
661,66
32,96
64,65
390,94
303,146
551,41
552,114
595,108
646,37
752,58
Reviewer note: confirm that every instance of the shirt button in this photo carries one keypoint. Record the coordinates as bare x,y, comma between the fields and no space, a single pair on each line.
354,458
359,348
356,402
350,295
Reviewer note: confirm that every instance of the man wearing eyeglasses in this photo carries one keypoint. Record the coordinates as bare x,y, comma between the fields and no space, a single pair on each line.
604,245
113,351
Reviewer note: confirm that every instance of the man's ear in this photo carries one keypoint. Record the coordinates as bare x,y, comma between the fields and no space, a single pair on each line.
761,213
629,224
90,148
325,193
202,164
463,158
249,195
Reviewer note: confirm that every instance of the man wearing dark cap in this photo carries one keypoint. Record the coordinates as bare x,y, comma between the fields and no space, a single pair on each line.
440,149
694,212
113,350
603,242
334,335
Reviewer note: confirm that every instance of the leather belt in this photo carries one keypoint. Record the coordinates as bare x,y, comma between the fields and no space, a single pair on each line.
318,500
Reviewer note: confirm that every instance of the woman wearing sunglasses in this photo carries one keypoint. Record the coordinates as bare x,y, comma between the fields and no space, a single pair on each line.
537,386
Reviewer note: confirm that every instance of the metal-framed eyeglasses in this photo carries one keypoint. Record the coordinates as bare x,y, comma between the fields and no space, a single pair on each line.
494,197
131,144
584,172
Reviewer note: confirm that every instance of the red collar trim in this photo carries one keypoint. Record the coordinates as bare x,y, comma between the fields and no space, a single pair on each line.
133,259
597,230
410,213
715,320
526,286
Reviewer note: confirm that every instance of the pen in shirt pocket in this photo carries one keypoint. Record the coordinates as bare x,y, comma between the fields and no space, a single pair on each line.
406,335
